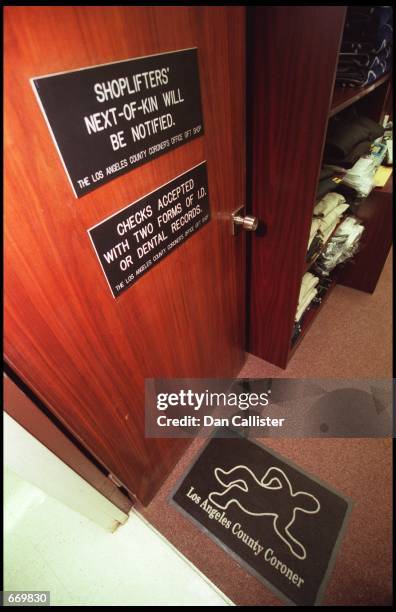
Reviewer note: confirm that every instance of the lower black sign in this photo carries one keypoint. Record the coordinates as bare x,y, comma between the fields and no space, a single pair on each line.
283,524
140,235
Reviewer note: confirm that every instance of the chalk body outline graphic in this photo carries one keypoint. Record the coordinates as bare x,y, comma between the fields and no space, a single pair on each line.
276,478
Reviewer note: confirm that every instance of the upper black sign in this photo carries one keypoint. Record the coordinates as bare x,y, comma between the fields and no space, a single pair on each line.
132,240
108,119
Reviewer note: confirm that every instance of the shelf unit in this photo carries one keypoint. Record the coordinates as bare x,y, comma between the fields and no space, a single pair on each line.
291,99
345,96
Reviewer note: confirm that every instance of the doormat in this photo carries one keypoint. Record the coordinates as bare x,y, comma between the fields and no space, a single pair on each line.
282,524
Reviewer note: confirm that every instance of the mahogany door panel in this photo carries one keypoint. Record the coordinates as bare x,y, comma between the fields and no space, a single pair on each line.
84,353
293,63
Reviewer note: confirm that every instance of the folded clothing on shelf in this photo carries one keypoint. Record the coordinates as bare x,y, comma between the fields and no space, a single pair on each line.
328,203
314,230
351,196
327,214
343,245
326,185
307,293
362,148
366,48
361,176
359,70
330,221
350,136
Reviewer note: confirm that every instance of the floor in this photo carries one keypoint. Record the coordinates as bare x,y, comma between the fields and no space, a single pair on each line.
357,344
350,338
50,547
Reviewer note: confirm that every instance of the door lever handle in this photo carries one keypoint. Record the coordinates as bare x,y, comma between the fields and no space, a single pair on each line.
247,222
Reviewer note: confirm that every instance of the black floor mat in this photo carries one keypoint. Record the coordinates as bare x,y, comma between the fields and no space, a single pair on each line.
284,525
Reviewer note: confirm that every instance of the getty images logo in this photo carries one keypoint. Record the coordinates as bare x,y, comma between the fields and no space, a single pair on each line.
207,399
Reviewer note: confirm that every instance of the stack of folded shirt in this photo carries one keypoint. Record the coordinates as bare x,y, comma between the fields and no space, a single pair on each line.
342,246
361,176
329,212
366,49
349,137
307,293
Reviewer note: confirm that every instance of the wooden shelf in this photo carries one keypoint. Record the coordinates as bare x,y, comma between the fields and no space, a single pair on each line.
345,96
309,317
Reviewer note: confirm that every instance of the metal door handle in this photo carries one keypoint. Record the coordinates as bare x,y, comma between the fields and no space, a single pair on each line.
246,222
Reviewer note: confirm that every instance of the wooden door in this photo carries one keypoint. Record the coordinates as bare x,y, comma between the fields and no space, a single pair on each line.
84,353
294,59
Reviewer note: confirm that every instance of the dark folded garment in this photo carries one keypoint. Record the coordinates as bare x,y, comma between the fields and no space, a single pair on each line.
357,152
347,131
348,60
360,69
327,185
354,76
342,136
375,129
326,173
350,194
361,78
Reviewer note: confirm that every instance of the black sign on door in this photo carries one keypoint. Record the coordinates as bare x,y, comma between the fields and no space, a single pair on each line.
132,240
108,119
